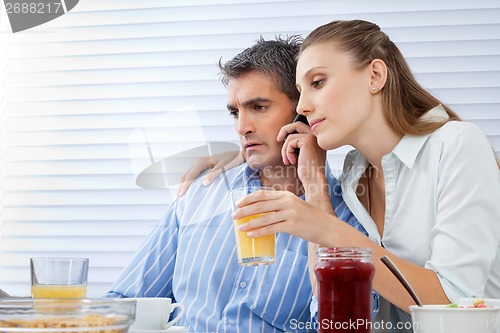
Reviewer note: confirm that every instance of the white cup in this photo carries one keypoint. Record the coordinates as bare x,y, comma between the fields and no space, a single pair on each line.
152,313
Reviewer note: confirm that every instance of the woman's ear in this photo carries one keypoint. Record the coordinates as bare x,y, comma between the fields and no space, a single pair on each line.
378,77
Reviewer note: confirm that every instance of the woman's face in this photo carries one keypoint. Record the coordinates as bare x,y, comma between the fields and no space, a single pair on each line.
334,96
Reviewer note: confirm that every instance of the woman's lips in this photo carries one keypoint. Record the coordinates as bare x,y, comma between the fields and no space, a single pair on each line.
315,123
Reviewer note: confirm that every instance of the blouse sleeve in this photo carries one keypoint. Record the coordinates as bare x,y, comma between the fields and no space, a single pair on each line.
466,237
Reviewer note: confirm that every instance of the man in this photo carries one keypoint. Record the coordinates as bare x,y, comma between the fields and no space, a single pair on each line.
191,256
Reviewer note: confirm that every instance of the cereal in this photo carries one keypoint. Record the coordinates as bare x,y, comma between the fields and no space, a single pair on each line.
102,324
479,303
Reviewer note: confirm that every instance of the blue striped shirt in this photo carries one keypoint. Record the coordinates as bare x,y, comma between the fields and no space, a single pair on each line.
191,257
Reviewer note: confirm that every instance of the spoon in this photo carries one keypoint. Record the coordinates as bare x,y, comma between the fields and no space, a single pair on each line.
401,278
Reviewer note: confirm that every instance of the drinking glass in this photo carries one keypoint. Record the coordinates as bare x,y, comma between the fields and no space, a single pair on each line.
252,251
59,277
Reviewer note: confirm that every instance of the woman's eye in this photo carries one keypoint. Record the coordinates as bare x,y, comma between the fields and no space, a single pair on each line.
317,83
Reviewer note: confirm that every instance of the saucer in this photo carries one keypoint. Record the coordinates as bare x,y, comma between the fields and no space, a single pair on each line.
173,329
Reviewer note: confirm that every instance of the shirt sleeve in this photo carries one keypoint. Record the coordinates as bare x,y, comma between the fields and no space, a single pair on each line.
464,241
313,308
150,272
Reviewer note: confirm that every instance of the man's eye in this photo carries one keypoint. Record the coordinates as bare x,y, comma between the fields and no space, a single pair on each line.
259,107
317,83
233,113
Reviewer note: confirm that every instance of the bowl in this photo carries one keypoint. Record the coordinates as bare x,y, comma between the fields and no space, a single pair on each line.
440,319
65,315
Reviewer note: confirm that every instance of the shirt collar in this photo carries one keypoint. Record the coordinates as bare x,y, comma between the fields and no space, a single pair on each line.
244,176
251,177
409,147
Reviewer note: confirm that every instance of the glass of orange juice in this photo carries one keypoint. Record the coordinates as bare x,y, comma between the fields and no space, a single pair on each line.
252,251
59,277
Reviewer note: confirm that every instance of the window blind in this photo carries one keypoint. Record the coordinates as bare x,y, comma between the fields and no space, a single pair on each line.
75,89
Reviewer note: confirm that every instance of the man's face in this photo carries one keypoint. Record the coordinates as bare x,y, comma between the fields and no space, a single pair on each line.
259,110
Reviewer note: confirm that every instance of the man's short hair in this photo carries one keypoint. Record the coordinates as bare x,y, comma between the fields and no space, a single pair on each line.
276,58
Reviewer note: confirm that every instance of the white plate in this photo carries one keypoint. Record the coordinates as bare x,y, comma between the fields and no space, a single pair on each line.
173,329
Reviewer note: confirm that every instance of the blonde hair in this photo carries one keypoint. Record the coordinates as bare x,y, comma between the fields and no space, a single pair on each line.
404,99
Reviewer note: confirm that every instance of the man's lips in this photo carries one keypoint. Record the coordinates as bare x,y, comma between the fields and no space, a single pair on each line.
252,145
314,123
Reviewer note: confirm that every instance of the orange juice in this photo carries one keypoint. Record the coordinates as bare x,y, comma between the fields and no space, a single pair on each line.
254,251
58,291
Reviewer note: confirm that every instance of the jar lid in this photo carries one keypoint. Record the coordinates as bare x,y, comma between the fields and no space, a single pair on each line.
344,252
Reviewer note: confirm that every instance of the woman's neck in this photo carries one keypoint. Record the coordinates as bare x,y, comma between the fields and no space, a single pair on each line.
376,140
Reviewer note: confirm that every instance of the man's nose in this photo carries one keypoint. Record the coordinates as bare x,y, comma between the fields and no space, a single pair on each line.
246,124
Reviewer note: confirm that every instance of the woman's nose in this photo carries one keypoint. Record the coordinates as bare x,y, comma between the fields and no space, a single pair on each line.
303,106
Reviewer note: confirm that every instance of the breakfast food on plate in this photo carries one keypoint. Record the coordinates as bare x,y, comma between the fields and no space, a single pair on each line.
27,315
90,323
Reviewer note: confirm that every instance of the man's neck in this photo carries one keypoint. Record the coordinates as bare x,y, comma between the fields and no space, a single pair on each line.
282,178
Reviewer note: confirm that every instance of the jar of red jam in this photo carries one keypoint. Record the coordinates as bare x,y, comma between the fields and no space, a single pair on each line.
344,277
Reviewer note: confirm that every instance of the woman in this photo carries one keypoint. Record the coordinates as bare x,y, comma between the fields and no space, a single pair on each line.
425,185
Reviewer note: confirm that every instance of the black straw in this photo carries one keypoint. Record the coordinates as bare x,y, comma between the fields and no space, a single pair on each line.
401,278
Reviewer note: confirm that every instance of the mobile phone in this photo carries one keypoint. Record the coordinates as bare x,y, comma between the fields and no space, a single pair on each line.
302,119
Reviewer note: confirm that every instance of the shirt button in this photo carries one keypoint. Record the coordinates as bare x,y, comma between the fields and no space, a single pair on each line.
243,284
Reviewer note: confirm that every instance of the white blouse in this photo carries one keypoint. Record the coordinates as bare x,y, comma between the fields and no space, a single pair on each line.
442,206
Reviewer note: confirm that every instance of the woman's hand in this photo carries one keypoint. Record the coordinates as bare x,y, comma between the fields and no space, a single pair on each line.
218,163
286,213
311,161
